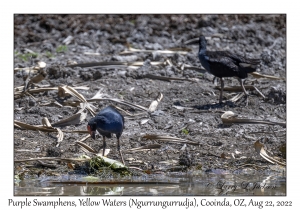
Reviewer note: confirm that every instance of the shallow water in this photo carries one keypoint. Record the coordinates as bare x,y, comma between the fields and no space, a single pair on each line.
217,182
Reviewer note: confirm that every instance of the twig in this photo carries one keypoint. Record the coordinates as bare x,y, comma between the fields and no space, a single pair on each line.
52,158
151,76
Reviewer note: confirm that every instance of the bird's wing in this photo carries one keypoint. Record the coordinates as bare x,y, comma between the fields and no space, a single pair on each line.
240,59
222,62
100,119
123,121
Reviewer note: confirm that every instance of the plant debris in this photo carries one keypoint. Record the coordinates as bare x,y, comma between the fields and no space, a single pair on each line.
68,67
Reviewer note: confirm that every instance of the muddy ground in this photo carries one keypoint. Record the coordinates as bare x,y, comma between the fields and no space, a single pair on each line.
189,108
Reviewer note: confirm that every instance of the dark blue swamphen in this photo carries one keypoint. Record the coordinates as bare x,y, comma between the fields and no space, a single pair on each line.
226,64
107,122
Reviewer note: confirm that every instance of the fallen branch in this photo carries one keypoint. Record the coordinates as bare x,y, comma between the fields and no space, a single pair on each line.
19,90
52,158
86,147
169,139
113,64
229,118
148,147
259,148
62,90
99,97
258,75
151,76
171,51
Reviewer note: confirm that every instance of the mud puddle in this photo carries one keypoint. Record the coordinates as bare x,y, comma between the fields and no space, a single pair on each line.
184,184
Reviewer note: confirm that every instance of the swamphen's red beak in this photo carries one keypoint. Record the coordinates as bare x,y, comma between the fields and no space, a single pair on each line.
92,133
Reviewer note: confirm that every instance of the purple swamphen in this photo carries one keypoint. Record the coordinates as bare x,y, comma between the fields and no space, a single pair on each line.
226,64
107,122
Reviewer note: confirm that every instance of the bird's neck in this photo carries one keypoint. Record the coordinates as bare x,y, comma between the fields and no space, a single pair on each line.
202,50
202,46
203,58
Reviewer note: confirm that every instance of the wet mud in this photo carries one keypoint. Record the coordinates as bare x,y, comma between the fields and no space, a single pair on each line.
189,108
